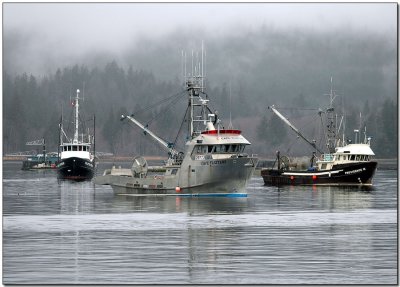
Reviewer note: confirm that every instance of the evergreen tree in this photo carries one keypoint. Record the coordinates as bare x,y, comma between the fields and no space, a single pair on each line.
388,138
272,130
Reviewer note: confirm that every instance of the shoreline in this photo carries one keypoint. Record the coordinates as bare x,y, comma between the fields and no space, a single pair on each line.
385,163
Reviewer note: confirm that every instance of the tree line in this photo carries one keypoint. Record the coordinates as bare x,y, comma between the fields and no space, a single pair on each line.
246,72
32,108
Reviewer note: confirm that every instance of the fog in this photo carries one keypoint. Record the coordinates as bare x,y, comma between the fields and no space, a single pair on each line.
128,55
38,38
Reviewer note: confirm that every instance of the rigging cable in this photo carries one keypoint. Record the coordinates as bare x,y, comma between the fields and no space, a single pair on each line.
158,103
180,128
165,109
175,98
69,124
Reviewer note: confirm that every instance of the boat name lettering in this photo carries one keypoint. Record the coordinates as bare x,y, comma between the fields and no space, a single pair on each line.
214,162
89,164
355,171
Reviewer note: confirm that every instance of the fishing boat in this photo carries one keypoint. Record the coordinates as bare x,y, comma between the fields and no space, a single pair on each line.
40,161
37,161
76,157
213,161
344,163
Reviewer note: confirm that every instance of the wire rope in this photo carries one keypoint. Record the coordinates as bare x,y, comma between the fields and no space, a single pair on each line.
158,103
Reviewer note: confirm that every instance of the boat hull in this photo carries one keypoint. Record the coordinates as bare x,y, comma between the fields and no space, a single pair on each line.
351,174
228,176
75,168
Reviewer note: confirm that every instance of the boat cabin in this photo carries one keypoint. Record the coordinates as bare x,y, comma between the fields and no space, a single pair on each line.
75,150
344,155
218,144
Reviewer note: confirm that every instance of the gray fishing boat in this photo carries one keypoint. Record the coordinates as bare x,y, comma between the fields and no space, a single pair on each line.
213,162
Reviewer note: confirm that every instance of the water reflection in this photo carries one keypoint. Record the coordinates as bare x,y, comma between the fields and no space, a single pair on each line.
79,233
320,197
189,205
85,198
76,197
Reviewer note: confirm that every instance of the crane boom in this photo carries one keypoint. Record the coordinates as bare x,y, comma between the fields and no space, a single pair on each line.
164,144
286,121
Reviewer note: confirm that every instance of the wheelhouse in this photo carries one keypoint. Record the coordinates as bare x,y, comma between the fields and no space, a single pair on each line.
75,147
81,150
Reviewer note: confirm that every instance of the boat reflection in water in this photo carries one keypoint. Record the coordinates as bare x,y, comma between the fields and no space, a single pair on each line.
84,197
189,205
328,197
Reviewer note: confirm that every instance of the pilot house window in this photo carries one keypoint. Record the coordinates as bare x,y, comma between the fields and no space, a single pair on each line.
233,148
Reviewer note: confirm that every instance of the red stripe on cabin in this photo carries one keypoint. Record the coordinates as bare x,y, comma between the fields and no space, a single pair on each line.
214,132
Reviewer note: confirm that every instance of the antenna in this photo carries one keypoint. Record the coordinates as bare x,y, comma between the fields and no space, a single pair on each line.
331,121
230,106
182,67
195,85
230,94
197,64
76,134
344,121
205,67
202,65
192,64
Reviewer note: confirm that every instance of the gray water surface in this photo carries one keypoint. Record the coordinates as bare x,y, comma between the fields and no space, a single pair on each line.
78,233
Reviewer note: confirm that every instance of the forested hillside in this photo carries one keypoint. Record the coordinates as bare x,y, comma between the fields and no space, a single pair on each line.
246,72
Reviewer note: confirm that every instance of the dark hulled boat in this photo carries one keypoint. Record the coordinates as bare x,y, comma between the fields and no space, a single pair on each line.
75,167
345,167
344,164
76,158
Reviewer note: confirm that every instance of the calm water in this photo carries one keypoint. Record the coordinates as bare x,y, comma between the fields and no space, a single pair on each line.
77,233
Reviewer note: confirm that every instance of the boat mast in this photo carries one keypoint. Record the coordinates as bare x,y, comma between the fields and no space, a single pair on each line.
286,121
76,104
59,137
331,125
195,85
94,139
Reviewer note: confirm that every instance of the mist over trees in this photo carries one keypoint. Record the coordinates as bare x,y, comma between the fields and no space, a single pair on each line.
246,72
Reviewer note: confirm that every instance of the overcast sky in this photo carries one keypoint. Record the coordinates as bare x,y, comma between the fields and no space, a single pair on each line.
108,26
